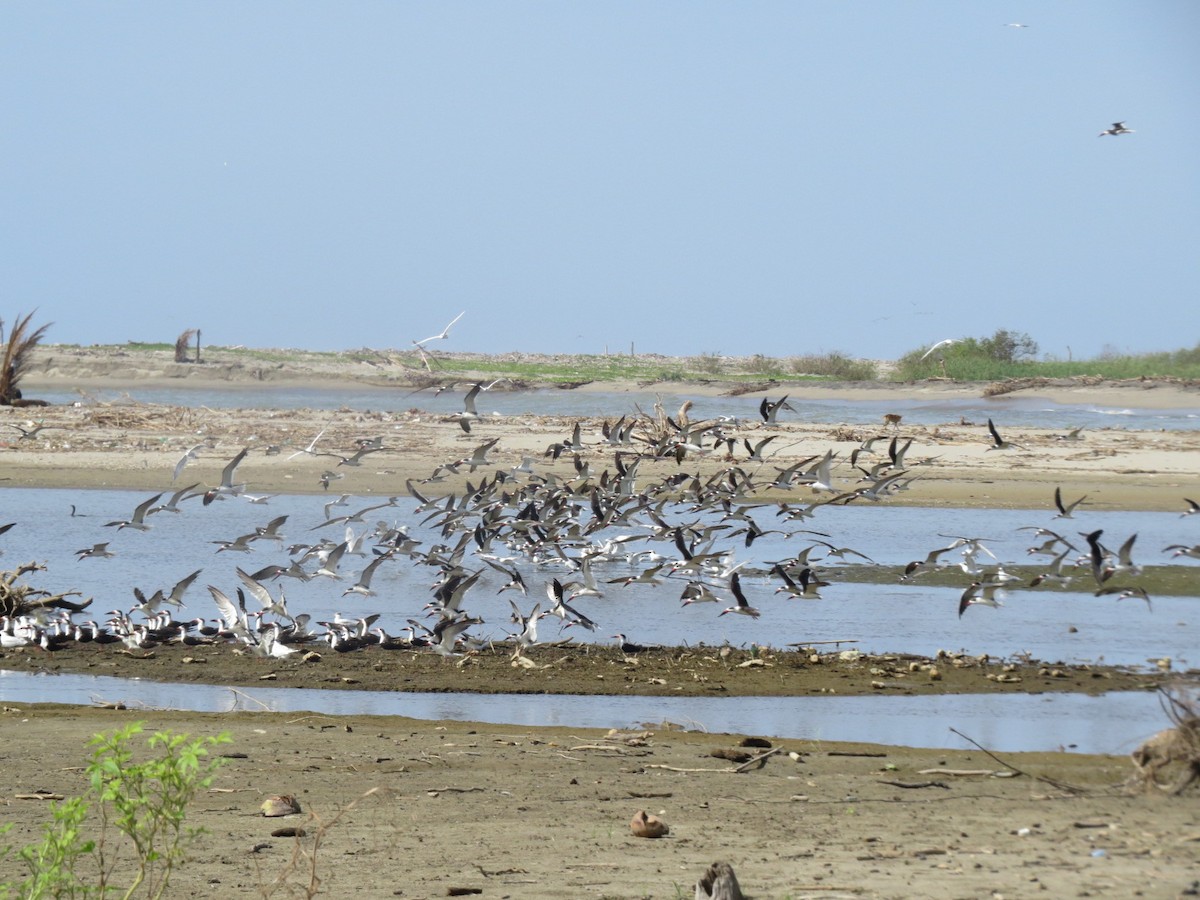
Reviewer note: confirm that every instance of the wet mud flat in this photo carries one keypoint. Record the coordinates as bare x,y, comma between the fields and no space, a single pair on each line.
601,670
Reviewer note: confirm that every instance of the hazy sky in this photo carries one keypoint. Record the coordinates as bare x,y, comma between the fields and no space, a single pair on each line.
735,177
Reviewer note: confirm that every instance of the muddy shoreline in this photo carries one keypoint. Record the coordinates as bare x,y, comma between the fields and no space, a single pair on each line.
595,670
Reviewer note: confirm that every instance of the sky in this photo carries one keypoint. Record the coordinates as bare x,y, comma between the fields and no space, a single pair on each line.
688,177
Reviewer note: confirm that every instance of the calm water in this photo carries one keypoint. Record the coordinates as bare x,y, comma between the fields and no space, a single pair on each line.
892,617
1109,723
1011,410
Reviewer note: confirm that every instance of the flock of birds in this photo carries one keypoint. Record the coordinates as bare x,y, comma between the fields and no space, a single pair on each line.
675,531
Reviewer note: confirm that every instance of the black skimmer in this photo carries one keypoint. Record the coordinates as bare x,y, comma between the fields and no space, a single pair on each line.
1126,593
770,410
980,593
138,520
807,588
570,616
362,587
1055,573
515,581
999,443
227,486
628,647
1065,511
479,457
1117,129
1192,552
1074,434
743,607
240,544
527,636
172,505
96,551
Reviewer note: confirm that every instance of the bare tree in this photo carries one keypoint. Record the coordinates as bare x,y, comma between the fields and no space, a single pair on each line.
17,352
182,343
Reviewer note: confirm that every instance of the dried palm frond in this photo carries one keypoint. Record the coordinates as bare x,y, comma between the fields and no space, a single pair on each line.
182,343
17,352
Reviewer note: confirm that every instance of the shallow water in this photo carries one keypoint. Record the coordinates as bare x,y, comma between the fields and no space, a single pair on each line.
894,617
1108,723
1013,411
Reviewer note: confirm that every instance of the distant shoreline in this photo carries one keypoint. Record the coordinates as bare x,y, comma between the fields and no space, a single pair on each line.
104,368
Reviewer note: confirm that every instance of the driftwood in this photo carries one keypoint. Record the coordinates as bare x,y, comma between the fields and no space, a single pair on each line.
18,598
719,883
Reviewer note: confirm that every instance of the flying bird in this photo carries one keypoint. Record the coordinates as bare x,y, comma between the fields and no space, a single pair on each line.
999,443
227,486
1118,128
185,459
1065,510
443,334
946,343
311,449
137,520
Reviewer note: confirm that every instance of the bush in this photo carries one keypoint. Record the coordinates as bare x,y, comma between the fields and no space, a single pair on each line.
1009,346
708,363
835,365
145,803
763,365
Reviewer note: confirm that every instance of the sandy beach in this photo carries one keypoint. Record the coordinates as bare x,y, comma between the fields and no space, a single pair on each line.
431,809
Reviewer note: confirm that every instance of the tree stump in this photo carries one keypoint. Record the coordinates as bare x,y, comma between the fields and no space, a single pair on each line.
719,883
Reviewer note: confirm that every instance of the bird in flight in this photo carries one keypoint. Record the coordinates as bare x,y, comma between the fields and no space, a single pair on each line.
946,343
443,334
1118,128
1065,510
999,443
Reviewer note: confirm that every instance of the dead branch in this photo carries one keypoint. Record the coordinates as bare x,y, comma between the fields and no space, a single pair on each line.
1045,779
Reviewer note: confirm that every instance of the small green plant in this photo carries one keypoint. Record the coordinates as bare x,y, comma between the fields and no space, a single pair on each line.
142,807
52,863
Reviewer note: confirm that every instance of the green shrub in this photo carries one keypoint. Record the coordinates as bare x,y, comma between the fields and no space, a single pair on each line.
141,806
1006,355
835,365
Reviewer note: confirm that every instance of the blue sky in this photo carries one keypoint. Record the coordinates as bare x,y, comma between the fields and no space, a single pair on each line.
689,177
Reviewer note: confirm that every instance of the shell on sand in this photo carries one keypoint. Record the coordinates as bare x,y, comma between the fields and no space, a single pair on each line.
648,826
282,805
